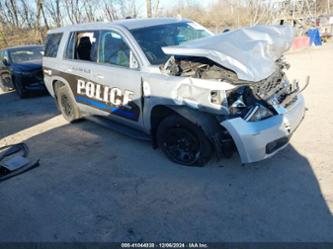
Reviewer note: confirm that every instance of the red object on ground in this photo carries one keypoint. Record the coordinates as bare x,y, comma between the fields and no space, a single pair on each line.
300,42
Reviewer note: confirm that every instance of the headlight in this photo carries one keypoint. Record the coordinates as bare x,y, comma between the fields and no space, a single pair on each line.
257,113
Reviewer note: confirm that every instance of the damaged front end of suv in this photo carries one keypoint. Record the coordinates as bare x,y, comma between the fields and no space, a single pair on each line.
239,77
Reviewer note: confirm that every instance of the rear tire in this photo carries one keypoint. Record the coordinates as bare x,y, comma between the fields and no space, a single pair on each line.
183,142
67,104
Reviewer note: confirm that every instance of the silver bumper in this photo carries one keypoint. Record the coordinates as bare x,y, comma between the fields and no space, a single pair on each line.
256,141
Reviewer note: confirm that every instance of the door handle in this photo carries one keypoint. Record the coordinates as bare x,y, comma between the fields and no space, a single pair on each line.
99,76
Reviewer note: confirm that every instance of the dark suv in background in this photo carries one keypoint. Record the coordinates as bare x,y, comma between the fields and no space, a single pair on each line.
21,69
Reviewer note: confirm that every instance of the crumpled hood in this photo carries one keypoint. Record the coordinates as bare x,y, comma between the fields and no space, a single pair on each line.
250,52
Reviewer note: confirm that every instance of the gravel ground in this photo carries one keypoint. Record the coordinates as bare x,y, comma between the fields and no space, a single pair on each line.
94,184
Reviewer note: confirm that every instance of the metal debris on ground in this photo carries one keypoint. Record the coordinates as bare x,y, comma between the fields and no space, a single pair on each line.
14,161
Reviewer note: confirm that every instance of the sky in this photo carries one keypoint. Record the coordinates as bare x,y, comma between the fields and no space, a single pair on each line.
171,3
168,4
164,4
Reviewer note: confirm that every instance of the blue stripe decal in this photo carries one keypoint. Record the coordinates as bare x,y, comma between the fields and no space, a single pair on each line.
100,105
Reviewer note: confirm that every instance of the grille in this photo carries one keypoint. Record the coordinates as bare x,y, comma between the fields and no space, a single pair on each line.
33,77
288,100
275,85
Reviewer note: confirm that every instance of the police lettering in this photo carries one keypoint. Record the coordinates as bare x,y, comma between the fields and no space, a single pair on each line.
106,94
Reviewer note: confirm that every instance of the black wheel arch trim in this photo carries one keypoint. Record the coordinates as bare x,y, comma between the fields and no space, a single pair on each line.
206,121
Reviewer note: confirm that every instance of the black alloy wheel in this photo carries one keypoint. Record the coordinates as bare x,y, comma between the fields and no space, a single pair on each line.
183,142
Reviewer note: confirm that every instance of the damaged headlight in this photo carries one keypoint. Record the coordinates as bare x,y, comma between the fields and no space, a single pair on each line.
257,113
241,102
218,98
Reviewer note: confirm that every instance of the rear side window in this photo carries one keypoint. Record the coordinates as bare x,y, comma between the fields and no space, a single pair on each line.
82,46
69,54
52,44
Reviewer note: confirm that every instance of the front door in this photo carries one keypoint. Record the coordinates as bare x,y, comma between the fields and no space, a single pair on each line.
118,80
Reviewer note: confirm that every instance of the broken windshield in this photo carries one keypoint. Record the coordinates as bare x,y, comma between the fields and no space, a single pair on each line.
151,39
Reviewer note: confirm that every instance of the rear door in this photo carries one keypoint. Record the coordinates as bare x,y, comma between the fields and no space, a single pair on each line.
79,60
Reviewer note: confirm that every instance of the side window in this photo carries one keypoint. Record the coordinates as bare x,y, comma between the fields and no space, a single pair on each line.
113,49
69,54
4,55
82,46
52,44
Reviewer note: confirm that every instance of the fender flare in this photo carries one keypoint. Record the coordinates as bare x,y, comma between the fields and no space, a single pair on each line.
58,78
63,81
207,122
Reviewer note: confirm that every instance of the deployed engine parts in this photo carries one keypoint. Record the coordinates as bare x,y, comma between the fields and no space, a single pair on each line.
199,67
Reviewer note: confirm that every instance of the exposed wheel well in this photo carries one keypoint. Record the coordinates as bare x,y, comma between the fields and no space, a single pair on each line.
12,78
158,113
55,85
218,136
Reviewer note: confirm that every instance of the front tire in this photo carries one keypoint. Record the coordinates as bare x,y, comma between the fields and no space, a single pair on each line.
66,103
4,88
183,142
4,82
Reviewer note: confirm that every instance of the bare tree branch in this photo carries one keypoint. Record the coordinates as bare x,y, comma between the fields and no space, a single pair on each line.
13,5
148,6
156,8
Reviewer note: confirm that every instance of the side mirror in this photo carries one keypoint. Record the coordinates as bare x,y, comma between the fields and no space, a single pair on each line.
5,62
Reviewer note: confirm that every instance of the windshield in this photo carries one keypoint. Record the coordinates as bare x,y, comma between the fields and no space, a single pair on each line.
19,55
151,39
